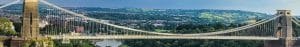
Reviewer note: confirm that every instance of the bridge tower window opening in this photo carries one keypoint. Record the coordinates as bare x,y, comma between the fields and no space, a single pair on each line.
280,12
30,14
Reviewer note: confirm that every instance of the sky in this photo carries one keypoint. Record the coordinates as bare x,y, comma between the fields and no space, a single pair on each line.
263,6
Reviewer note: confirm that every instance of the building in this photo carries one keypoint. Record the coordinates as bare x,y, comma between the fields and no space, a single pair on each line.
79,29
43,23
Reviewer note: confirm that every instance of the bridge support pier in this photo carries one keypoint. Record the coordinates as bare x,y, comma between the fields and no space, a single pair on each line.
283,30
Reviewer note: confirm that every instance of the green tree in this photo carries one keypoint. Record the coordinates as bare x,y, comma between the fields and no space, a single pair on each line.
6,27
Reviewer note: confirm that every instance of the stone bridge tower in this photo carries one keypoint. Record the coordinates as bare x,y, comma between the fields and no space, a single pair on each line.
283,30
30,27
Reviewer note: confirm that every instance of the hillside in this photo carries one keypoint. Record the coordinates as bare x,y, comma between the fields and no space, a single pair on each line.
180,15
195,16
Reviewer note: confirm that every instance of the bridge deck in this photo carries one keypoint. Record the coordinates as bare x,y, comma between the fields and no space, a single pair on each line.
164,37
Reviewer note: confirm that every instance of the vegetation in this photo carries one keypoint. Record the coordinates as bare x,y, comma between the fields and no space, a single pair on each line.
296,30
193,43
6,27
74,43
190,28
196,16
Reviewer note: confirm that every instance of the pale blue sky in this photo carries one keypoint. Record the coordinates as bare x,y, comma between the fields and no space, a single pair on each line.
264,6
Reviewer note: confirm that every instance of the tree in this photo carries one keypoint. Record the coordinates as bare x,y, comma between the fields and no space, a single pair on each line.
6,27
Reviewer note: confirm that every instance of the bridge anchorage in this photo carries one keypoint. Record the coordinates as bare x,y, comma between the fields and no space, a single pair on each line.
281,29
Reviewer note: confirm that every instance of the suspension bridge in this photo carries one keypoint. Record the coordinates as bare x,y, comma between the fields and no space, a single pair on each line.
276,28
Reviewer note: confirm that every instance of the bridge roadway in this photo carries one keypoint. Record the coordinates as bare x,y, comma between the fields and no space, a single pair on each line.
161,37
